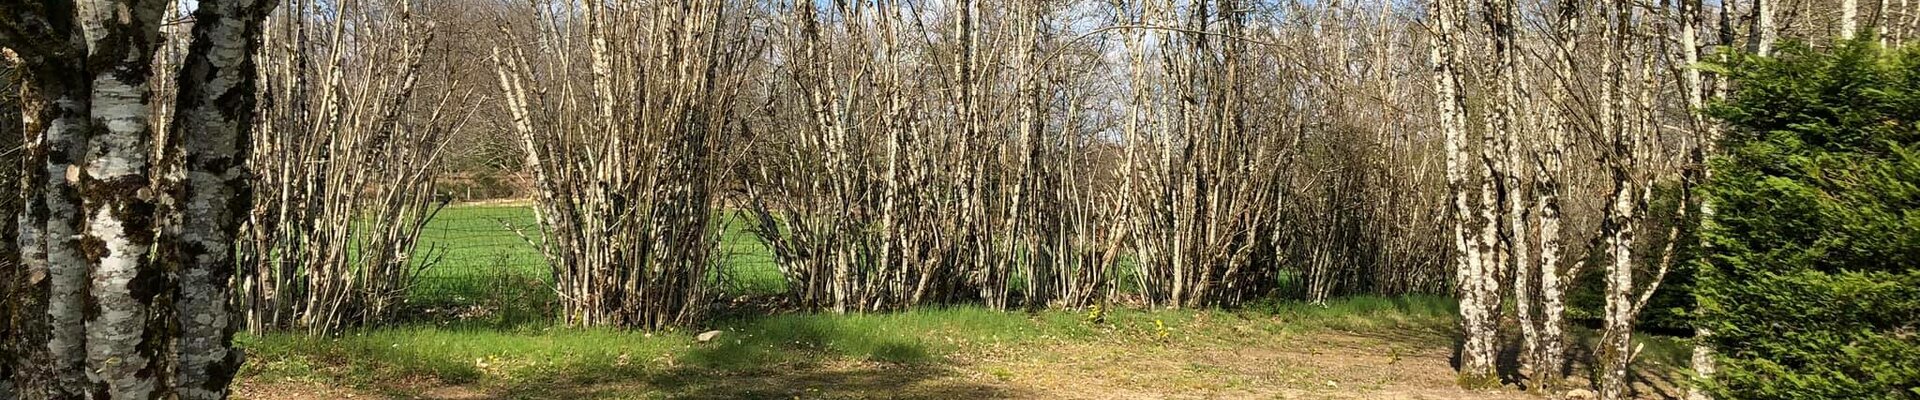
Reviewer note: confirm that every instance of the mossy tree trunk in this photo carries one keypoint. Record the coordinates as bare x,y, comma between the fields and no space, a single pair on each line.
215,118
90,224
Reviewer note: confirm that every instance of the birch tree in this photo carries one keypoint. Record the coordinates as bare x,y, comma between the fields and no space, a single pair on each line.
54,113
1071,251
1764,31
94,130
216,111
900,192
1474,275
862,157
117,206
1619,126
1632,123
1849,18
1700,88
108,133
1546,332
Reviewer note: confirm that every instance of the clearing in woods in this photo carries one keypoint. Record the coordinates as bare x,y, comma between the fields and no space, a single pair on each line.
482,334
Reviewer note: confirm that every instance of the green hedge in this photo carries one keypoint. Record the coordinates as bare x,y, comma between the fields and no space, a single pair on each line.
1812,282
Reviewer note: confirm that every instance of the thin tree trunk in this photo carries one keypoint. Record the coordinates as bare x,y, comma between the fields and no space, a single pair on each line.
1763,30
1693,24
1504,123
1849,19
1550,358
1881,21
1631,117
52,330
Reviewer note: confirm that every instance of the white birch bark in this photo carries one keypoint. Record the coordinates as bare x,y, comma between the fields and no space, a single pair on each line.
56,115
1631,118
1550,357
124,347
1693,24
1504,125
1880,22
66,269
1471,269
1617,340
1764,32
215,113
51,323
1901,34
1849,18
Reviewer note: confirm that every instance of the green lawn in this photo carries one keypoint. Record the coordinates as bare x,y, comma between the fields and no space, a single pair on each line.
474,249
537,360
1356,347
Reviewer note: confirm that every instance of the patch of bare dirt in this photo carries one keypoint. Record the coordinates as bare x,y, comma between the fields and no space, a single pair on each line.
1319,366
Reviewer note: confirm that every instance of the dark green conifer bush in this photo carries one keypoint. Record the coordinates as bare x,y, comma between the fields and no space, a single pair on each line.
1811,286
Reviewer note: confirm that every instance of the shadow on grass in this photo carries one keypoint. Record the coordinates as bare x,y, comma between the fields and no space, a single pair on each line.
788,382
788,356
893,355
776,358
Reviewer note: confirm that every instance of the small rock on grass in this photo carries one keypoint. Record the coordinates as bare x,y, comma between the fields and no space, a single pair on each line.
706,336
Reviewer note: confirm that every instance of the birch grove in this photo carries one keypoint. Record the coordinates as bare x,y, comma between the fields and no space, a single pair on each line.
1512,203
192,169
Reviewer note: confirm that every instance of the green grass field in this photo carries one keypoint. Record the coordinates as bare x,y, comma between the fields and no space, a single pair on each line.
536,360
471,250
1369,347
